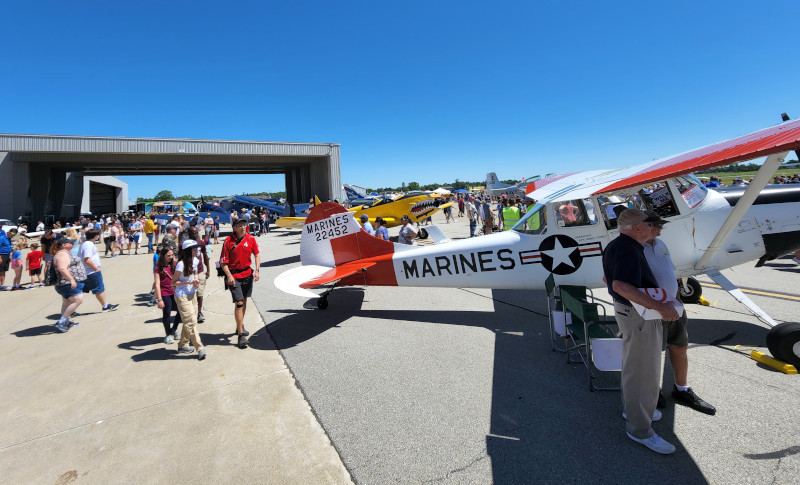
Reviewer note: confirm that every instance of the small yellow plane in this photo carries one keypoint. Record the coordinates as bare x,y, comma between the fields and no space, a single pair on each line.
417,205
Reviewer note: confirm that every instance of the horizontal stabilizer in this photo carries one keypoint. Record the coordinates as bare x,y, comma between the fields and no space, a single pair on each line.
290,281
735,292
436,235
337,273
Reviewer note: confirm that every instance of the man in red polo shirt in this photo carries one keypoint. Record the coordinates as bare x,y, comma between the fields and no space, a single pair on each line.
237,251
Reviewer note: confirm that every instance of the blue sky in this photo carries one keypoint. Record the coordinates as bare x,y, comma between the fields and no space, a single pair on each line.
433,91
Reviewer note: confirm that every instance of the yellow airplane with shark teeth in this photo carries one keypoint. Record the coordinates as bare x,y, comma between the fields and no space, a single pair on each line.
416,205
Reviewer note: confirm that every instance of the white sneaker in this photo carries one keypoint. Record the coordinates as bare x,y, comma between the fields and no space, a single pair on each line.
796,260
656,415
655,443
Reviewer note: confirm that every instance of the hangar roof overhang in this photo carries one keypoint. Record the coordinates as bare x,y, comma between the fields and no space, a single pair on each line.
154,156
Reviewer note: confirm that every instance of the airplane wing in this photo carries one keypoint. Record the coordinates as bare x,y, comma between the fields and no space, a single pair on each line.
768,141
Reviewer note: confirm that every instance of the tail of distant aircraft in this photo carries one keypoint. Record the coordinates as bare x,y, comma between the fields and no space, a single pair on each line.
493,183
352,194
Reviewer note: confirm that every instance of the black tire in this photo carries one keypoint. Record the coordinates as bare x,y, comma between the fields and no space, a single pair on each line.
692,293
422,234
783,342
322,303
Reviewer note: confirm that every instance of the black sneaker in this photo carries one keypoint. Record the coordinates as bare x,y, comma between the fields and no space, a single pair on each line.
110,308
243,341
690,399
662,401
245,333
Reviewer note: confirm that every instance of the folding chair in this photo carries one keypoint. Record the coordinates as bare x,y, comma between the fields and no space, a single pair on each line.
558,317
603,350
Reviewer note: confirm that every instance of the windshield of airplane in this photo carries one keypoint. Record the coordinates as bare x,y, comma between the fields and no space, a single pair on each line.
533,222
691,189
655,197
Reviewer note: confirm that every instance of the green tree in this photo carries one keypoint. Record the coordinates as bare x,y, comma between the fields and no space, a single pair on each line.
413,186
164,195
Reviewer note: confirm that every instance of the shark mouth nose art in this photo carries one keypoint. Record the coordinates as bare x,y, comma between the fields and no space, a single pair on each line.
423,207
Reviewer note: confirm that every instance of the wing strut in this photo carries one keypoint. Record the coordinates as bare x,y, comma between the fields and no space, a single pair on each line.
761,179
735,292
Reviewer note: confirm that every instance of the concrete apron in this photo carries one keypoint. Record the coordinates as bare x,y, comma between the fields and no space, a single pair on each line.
109,402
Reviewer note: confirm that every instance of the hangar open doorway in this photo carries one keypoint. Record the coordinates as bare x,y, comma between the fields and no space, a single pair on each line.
102,198
34,168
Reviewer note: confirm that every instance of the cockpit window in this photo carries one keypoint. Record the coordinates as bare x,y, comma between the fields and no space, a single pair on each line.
533,222
575,213
691,189
655,197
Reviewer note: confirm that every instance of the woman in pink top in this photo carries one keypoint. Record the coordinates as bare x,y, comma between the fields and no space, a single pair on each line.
165,294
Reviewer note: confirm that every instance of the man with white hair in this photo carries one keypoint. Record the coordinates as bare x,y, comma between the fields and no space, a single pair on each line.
626,271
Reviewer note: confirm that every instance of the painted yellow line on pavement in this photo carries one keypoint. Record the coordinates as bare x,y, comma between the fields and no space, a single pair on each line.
758,292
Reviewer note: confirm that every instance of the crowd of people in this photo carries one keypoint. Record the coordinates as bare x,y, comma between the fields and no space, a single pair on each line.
68,259
714,180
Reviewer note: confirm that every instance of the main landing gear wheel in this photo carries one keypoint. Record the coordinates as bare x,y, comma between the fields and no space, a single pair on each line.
783,342
692,292
322,303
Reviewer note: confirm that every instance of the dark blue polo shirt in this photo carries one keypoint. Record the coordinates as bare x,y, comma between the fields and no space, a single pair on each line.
623,260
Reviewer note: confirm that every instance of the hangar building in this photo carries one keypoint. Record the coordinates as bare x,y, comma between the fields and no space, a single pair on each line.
35,169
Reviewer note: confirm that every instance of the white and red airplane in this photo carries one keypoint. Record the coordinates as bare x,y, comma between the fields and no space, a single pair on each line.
708,231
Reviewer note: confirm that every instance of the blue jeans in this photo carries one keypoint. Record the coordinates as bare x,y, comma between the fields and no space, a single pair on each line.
166,312
150,241
472,226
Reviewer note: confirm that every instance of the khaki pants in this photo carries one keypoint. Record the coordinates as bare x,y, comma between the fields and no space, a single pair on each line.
641,368
201,277
187,306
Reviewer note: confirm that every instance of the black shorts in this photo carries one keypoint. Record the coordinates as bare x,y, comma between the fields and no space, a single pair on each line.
5,260
36,271
242,289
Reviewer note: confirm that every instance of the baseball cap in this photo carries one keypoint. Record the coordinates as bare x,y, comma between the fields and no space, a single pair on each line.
189,243
171,226
240,221
629,217
658,218
364,217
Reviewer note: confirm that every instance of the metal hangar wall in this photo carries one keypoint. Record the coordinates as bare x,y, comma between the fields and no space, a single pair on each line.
34,168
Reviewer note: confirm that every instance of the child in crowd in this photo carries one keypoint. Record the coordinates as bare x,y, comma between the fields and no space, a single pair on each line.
34,264
153,295
165,294
16,264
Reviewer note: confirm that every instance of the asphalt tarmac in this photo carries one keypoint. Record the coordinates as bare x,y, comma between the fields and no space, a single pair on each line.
416,385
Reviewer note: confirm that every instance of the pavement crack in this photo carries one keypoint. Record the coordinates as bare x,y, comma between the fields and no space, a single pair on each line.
469,465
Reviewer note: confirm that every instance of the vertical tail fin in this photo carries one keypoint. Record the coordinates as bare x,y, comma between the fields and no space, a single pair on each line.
493,183
332,237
